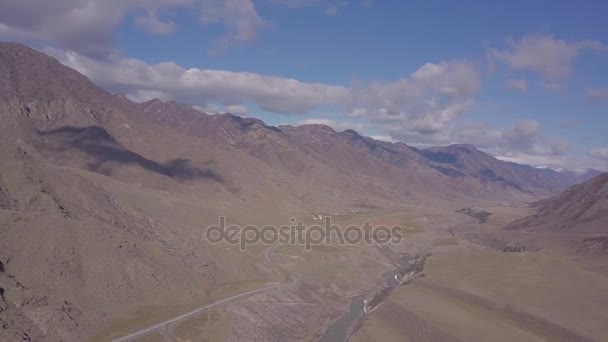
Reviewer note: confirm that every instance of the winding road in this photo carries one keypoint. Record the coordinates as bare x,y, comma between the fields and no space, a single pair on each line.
164,326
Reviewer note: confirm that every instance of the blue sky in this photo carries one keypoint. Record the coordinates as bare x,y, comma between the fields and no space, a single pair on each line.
525,81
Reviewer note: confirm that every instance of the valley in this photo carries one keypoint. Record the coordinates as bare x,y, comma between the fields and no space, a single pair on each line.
105,206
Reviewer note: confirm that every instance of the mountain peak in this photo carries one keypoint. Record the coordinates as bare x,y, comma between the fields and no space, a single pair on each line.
468,147
320,128
17,49
37,88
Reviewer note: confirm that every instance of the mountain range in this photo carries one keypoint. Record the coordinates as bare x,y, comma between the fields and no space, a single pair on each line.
68,120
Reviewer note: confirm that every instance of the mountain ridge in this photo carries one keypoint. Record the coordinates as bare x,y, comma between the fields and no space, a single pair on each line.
581,208
56,96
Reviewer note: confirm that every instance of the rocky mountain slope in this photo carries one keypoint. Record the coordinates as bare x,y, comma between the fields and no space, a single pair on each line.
580,209
465,160
323,155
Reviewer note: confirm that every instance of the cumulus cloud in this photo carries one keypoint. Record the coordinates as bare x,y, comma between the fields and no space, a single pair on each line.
517,84
423,103
524,137
88,26
544,54
523,134
597,95
142,81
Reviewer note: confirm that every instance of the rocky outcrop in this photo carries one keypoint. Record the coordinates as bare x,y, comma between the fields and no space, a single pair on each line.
480,215
595,246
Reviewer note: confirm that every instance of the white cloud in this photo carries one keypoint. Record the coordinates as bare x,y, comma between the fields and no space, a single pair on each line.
382,138
524,137
544,54
295,3
599,153
558,147
530,159
331,7
238,109
168,80
523,134
517,84
423,103
598,95
357,113
152,24
143,95
88,26
213,109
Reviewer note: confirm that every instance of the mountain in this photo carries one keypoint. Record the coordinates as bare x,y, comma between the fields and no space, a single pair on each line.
580,176
452,171
576,221
581,208
465,160
102,200
51,105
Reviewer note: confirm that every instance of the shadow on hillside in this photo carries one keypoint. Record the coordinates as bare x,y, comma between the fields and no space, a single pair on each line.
98,143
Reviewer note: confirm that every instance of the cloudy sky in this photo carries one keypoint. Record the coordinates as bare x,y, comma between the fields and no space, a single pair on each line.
526,81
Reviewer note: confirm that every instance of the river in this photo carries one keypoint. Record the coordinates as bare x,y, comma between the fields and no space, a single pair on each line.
341,329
